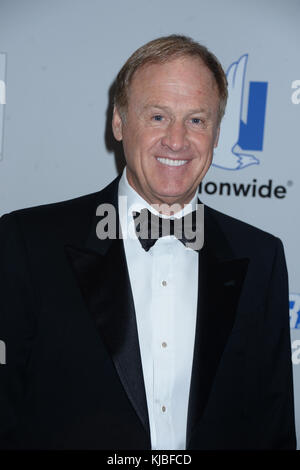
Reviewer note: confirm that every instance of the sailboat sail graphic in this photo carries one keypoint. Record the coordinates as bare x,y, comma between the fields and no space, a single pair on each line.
238,138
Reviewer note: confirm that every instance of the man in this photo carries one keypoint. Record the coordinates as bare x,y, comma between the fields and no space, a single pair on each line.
123,342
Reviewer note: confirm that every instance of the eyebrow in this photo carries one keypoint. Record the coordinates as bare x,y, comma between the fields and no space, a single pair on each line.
166,108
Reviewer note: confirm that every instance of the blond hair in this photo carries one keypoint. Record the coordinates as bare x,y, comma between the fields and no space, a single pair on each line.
163,50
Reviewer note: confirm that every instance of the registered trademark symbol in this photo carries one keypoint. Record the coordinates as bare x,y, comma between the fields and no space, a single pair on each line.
290,183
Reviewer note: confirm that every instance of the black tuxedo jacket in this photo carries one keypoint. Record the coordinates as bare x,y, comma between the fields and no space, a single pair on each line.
73,375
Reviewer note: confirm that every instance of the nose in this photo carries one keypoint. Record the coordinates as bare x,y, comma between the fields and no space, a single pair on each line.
176,137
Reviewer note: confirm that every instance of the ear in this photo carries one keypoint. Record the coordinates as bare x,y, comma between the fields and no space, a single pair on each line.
117,125
217,137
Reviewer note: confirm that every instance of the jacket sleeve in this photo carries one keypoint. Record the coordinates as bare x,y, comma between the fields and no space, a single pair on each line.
17,324
276,413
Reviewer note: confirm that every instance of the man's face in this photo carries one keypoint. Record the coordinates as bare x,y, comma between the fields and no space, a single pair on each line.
170,130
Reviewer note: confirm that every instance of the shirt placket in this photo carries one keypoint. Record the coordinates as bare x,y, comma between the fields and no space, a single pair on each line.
162,347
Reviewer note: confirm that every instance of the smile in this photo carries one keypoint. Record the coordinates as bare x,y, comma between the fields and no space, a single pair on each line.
171,162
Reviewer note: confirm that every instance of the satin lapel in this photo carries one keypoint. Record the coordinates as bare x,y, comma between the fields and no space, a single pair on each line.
102,275
220,282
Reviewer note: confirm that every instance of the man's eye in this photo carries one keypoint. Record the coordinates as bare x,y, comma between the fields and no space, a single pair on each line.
196,121
157,117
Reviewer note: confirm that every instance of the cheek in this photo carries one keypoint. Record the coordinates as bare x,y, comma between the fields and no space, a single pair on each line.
143,142
130,144
204,144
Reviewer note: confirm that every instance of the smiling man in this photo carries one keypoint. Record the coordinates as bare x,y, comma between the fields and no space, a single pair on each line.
142,341
170,130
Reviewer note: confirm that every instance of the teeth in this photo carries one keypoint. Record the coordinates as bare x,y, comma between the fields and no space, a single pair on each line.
168,161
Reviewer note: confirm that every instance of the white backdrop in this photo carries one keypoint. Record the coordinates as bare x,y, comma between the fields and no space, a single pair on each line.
58,59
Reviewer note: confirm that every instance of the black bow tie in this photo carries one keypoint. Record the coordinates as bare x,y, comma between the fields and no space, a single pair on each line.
188,229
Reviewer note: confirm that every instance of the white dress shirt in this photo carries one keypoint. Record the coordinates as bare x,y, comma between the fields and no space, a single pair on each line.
164,283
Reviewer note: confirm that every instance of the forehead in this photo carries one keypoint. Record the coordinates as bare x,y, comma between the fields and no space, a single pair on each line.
185,77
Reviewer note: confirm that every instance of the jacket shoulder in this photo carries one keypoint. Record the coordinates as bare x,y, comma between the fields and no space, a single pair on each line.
62,213
241,235
50,218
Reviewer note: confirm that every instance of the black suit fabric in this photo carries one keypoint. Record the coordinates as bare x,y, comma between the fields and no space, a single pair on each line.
73,375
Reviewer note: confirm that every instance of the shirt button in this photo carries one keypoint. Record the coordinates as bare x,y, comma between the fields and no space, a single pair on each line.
164,283
164,344
163,408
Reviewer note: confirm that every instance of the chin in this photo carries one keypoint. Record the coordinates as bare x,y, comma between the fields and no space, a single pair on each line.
171,197
177,193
